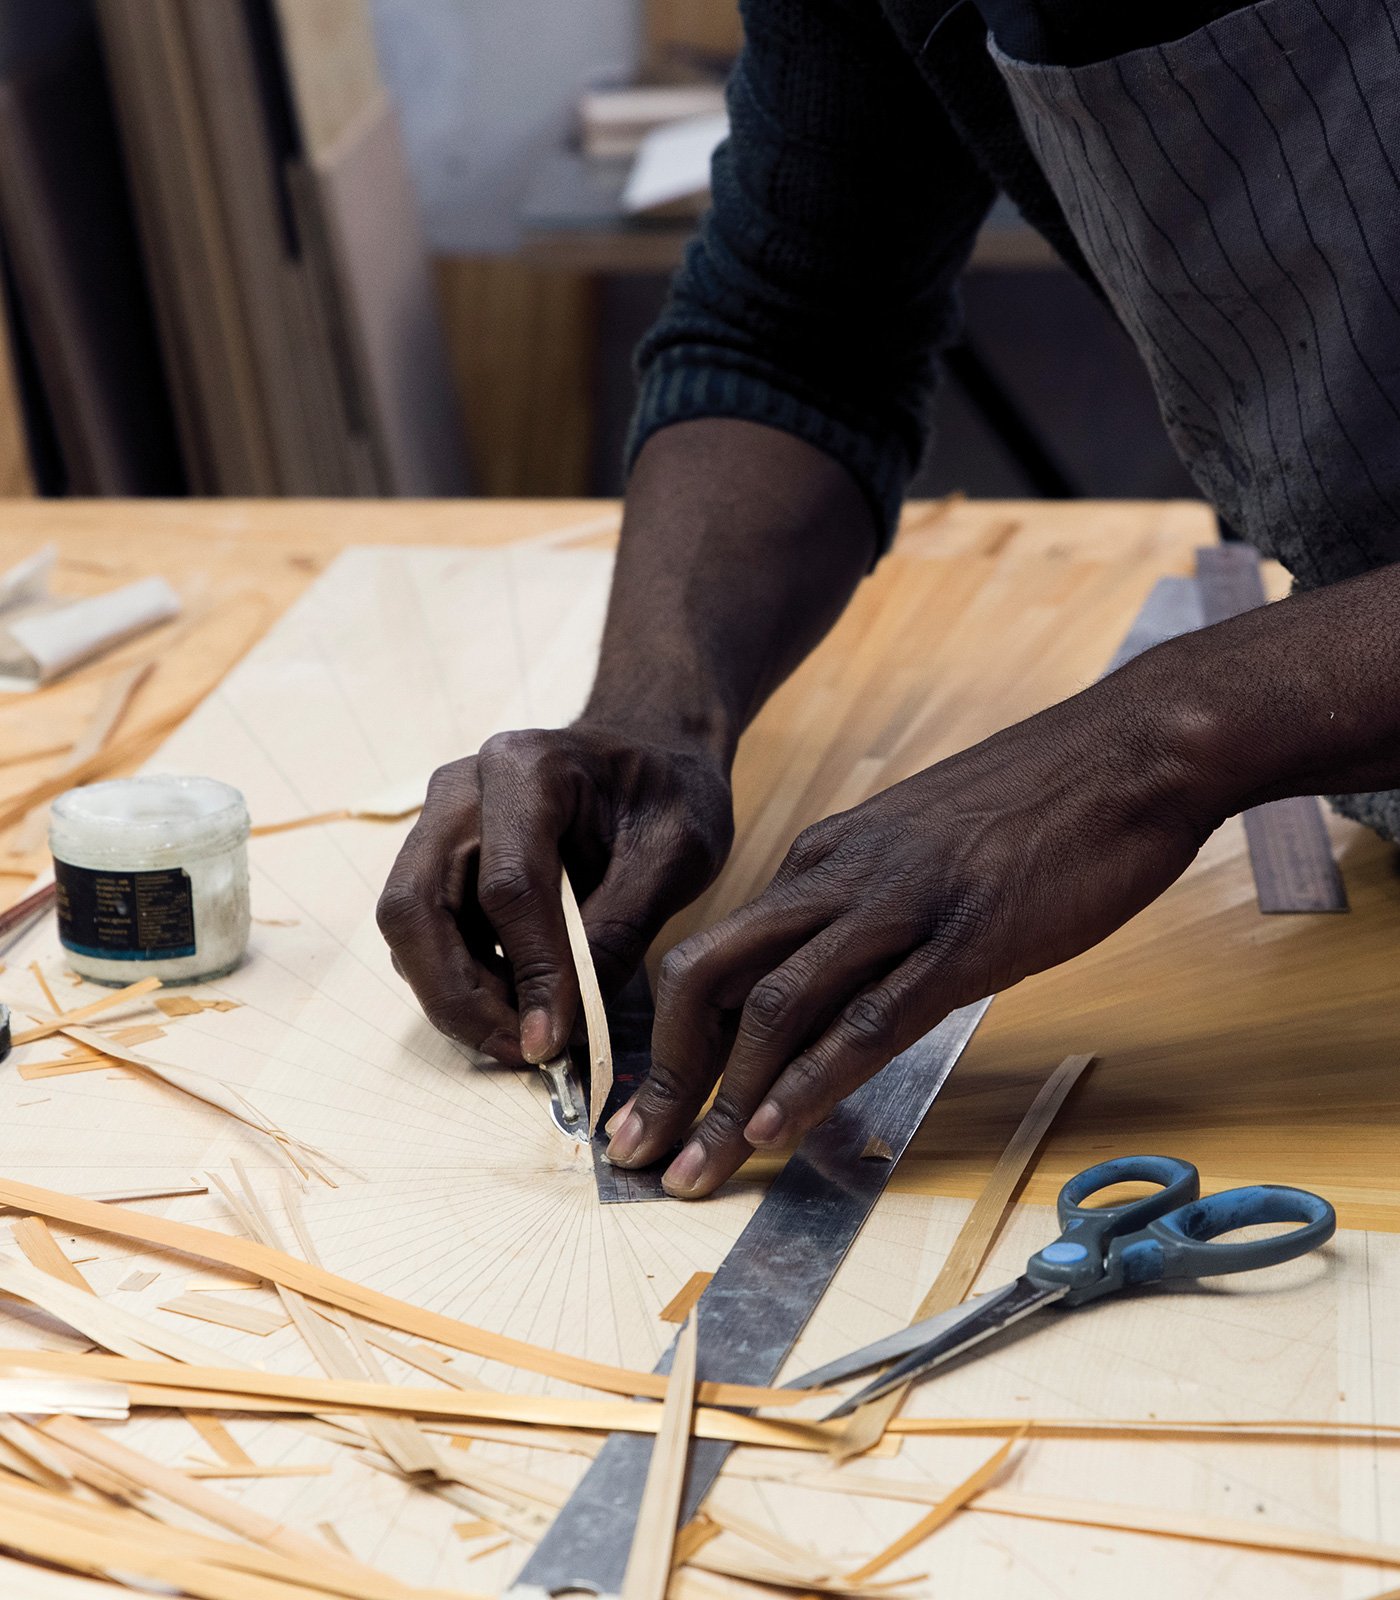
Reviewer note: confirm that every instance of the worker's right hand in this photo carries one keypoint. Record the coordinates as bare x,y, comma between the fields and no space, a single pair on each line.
644,826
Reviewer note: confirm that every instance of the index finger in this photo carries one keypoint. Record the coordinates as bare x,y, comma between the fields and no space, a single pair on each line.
418,915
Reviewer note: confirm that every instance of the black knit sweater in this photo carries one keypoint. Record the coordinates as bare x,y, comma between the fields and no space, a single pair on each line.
869,138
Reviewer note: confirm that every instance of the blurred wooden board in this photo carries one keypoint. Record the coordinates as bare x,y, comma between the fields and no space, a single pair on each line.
1261,1048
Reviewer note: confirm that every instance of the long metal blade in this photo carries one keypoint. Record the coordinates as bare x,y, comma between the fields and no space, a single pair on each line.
890,1348
757,1304
998,1310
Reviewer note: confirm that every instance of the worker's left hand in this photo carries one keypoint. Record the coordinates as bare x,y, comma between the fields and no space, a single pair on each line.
1006,859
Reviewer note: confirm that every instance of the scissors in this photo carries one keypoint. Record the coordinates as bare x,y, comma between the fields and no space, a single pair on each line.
1170,1233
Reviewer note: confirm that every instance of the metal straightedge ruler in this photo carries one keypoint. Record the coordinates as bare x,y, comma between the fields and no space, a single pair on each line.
757,1303
1290,853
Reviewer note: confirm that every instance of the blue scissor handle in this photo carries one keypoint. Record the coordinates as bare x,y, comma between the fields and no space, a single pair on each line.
1078,1259
1171,1233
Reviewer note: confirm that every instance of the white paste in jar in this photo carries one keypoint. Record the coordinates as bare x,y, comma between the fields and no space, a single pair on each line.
152,878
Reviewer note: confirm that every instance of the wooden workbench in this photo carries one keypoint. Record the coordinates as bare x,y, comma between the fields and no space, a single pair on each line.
1262,1048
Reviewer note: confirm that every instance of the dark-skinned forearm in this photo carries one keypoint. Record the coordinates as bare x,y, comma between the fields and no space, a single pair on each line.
740,547
1301,697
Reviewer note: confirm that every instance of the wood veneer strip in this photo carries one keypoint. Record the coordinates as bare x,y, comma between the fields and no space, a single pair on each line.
219,1439
227,1313
200,1086
94,1008
111,1326
60,1529
41,1250
167,1384
946,1509
121,689
600,1061
316,1283
653,1544
683,1302
1202,1527
234,1516
974,1241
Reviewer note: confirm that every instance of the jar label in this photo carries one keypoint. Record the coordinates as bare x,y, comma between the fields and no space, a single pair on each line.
125,916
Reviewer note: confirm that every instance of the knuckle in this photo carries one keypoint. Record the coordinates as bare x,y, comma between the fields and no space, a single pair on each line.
723,1121
664,1089
810,1081
870,1019
768,1008
452,782
506,889
398,912
685,964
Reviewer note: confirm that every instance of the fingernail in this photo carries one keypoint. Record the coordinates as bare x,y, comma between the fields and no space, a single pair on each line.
614,1122
626,1141
766,1124
686,1171
534,1035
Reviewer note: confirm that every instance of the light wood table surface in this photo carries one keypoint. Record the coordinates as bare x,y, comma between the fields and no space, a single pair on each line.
1263,1048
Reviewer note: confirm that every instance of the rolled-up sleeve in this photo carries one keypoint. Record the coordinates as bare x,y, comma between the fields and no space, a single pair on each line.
822,282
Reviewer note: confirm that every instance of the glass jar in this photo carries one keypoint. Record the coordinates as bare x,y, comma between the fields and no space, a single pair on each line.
152,877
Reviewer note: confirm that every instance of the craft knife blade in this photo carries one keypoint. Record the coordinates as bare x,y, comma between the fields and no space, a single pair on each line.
568,1107
756,1305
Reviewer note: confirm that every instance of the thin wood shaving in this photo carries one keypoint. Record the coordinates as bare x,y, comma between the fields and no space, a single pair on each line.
974,1241
199,1086
94,1008
121,688
399,1439
37,1394
649,1561
160,1191
42,1250
1249,1534
219,1439
252,1470
186,1005
227,1313
137,1281
477,1528
600,1061
230,1388
111,1326
876,1150
683,1302
947,1508
260,1261
286,1544
43,983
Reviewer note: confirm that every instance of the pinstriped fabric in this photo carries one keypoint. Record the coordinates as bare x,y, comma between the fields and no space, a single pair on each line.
1235,194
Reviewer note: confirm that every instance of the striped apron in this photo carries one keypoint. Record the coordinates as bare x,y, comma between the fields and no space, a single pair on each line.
1237,193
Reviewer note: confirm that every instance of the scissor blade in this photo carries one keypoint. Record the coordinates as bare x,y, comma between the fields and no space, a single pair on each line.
901,1343
995,1311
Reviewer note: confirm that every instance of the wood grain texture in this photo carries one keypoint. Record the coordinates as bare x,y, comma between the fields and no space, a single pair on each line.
649,1562
1270,1399
975,1238
600,1061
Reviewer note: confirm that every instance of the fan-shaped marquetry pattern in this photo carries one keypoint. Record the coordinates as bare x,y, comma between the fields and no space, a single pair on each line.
1254,1047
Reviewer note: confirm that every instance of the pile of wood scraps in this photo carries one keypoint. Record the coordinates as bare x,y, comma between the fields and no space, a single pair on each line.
301,1300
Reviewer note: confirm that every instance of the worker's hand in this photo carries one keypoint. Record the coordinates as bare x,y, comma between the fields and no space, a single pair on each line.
997,863
643,826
